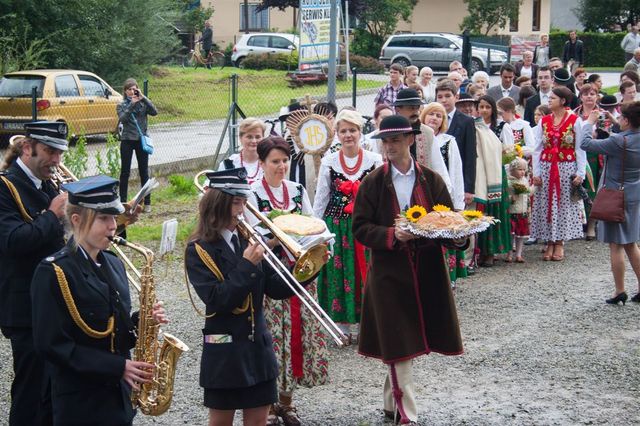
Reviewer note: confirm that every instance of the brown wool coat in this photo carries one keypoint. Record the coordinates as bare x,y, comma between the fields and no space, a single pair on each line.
408,308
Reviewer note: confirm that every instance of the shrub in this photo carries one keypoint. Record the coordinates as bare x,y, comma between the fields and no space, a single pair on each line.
76,157
600,49
274,61
112,165
364,64
366,44
180,185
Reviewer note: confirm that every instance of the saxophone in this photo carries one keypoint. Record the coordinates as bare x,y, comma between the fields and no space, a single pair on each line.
153,398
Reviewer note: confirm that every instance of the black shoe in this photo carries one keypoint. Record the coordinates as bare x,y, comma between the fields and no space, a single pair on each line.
622,297
636,298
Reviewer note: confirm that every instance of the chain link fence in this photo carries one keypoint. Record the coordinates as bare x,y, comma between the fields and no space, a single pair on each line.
198,113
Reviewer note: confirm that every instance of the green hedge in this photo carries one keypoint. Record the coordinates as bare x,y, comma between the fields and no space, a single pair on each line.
285,62
600,49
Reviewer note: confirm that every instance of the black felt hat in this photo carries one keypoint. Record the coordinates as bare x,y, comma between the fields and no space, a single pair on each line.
232,181
465,97
394,125
99,193
608,101
562,76
408,97
51,133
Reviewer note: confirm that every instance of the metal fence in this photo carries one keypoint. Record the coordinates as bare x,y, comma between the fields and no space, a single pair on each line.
196,115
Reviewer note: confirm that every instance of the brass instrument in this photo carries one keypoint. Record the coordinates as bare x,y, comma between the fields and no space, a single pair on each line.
309,262
61,175
153,398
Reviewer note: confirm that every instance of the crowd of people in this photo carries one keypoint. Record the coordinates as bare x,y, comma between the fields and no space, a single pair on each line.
531,152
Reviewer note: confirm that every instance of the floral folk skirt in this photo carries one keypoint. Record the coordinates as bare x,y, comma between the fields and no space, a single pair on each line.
298,341
497,239
340,284
565,221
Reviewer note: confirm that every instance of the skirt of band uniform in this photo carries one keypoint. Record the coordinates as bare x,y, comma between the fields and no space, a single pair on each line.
265,393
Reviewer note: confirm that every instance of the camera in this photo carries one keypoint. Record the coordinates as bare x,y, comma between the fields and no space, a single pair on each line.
136,92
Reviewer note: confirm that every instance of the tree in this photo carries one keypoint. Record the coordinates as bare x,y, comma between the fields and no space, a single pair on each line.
596,14
113,38
484,15
193,16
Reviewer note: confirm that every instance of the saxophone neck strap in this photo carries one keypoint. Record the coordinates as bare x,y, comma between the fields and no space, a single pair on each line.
16,197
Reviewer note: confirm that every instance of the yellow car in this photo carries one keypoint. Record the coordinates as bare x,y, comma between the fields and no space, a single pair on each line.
80,99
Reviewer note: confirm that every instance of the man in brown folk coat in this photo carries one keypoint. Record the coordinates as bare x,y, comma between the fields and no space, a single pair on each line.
408,308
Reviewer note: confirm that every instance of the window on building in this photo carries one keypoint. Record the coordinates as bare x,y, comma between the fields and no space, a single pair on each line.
258,21
513,24
535,25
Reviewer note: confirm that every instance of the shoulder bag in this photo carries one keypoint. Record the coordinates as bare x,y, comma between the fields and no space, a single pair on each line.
145,140
608,205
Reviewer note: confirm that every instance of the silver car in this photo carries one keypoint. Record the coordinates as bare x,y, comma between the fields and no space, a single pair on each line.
256,43
436,50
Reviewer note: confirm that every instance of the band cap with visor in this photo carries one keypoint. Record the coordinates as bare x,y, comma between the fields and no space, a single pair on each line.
232,181
99,193
50,133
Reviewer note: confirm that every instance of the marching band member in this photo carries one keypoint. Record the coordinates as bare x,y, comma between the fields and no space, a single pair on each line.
298,340
341,281
82,325
408,308
251,132
238,369
31,211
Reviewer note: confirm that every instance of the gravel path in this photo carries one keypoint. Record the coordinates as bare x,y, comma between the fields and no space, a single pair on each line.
541,347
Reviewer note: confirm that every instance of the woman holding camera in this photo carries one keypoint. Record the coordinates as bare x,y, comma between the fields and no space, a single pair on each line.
132,114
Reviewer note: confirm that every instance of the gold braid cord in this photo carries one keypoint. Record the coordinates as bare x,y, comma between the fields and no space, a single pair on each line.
73,310
211,265
17,199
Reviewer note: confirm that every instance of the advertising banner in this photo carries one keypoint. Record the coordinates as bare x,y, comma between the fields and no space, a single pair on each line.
315,22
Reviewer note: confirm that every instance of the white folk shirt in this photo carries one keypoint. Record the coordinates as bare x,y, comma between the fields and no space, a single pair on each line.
403,184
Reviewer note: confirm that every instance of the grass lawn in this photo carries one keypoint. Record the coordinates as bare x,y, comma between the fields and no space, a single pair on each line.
187,94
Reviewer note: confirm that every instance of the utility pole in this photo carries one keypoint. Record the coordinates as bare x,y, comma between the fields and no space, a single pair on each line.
331,89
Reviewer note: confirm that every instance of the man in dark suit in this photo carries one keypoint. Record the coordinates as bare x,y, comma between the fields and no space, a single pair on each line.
31,211
573,52
506,88
545,84
207,40
461,127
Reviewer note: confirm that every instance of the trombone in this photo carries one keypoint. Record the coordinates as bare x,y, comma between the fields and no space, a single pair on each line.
309,262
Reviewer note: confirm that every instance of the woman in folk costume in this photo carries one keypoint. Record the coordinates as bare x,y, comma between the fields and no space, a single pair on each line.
408,308
435,116
497,239
555,218
298,340
341,281
251,131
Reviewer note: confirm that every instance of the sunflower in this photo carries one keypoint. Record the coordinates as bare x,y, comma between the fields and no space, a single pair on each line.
441,208
471,214
415,213
519,151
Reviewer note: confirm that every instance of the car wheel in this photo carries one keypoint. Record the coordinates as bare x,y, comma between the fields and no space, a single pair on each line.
476,65
239,61
402,61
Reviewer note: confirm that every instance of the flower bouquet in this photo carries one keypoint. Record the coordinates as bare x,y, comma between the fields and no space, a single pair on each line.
511,152
442,222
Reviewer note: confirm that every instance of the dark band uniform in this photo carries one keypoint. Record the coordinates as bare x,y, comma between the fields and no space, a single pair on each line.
26,238
238,368
86,370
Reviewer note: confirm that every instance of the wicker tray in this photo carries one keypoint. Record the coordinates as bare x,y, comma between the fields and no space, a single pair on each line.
474,226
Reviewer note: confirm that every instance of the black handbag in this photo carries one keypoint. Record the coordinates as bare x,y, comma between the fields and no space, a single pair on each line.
608,205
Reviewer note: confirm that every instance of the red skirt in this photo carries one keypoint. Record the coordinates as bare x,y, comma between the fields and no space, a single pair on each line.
520,224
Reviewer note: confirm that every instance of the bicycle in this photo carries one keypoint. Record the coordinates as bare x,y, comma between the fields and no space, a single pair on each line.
214,59
368,126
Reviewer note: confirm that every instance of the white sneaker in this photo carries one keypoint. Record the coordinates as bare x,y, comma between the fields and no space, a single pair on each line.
146,208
